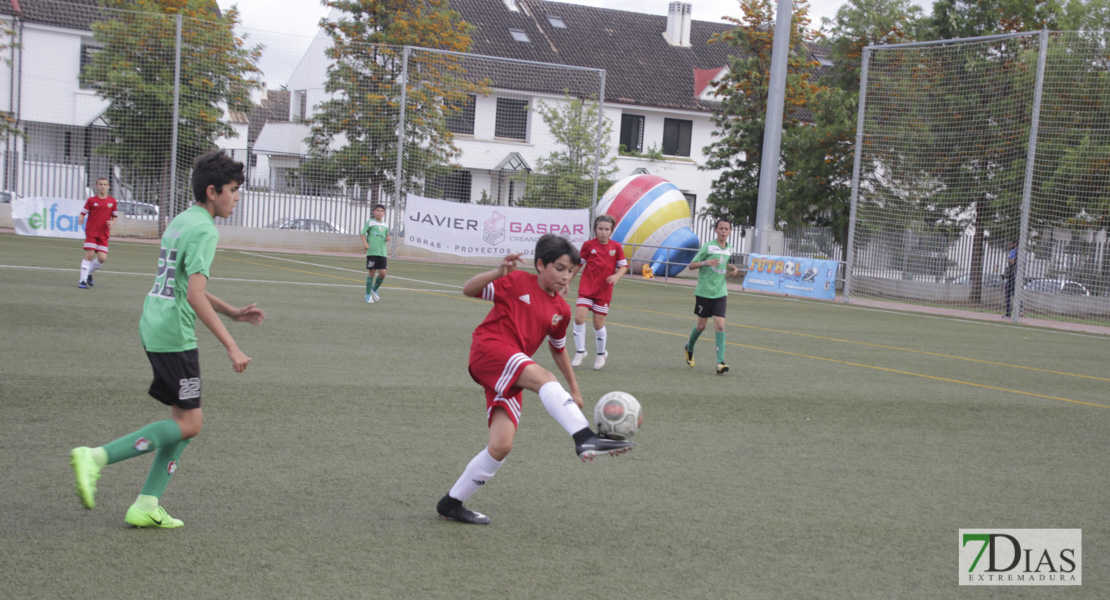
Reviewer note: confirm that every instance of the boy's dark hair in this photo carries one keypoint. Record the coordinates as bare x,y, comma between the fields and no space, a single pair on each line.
217,169
377,206
550,247
99,179
720,220
605,219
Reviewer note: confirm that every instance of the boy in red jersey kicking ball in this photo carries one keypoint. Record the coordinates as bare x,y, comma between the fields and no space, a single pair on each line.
527,309
602,264
101,212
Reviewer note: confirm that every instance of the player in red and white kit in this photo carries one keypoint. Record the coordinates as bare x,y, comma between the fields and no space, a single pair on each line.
527,309
602,265
98,216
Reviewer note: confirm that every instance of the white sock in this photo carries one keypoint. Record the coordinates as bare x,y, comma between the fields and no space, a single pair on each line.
85,266
560,405
481,468
580,337
94,265
601,335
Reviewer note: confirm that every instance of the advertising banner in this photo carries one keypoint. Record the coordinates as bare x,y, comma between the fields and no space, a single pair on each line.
48,217
809,277
484,230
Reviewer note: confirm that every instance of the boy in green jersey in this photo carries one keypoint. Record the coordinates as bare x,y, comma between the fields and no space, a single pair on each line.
178,298
711,295
375,235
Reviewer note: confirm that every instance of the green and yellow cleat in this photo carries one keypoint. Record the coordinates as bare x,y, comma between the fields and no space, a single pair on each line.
85,474
137,517
689,356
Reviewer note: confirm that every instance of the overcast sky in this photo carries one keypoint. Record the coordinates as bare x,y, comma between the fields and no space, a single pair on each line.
285,27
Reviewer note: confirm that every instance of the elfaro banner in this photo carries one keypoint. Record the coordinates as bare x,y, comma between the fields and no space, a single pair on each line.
48,217
484,230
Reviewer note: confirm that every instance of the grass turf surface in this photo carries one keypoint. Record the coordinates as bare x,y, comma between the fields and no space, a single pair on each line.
838,459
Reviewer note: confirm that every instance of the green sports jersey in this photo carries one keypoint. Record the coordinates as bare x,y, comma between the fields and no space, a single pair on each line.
711,280
188,247
375,232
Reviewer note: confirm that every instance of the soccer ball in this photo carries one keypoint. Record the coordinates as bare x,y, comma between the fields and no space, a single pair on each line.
618,415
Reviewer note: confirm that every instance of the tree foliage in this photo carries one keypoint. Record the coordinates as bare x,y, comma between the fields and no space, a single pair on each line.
740,119
353,134
565,177
134,72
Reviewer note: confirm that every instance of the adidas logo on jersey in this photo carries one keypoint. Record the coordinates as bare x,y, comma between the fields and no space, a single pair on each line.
526,298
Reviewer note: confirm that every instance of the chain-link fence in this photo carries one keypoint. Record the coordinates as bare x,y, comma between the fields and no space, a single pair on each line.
135,96
965,146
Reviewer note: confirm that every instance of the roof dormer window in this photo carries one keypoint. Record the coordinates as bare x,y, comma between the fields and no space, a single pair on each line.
519,35
556,21
824,60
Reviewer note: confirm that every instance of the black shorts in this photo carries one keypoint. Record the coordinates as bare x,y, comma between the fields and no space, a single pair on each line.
176,378
374,263
710,307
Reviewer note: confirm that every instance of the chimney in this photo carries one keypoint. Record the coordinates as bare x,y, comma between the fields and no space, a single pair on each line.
678,24
687,8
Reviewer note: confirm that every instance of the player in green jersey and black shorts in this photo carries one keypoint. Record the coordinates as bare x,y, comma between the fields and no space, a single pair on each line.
167,331
375,235
711,295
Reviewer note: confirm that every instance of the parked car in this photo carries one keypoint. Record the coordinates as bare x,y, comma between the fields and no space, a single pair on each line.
1057,286
989,280
6,196
138,210
306,225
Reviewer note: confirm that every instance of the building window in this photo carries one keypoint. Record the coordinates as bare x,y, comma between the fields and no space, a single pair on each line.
692,201
632,133
676,137
556,22
512,119
519,35
300,103
460,115
823,60
453,186
87,53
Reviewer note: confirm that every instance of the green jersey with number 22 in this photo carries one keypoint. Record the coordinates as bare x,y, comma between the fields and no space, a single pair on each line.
188,247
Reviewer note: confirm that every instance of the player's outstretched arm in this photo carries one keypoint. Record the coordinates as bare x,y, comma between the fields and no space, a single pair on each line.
562,360
206,306
474,286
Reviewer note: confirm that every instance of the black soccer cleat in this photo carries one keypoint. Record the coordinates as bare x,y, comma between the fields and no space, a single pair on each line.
90,280
453,510
596,444
689,355
722,368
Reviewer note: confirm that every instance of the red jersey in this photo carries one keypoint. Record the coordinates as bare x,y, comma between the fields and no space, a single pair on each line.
523,315
599,262
97,213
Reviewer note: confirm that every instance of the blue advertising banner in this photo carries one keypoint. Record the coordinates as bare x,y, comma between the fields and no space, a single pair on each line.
810,277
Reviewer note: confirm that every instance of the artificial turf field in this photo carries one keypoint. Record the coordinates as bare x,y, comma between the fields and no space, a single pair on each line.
838,459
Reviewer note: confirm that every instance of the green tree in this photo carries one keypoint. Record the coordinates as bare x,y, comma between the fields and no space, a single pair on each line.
565,177
362,113
7,41
134,72
740,119
825,152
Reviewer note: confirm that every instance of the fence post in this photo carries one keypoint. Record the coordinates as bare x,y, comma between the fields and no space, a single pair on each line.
172,204
1027,190
397,178
597,148
850,249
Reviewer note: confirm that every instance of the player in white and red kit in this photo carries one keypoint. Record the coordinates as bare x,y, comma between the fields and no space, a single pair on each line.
602,265
98,216
527,309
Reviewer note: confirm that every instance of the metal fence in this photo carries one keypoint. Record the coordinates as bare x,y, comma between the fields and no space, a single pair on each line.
965,145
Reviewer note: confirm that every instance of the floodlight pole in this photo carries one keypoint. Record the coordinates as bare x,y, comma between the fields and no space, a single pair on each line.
172,201
772,131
